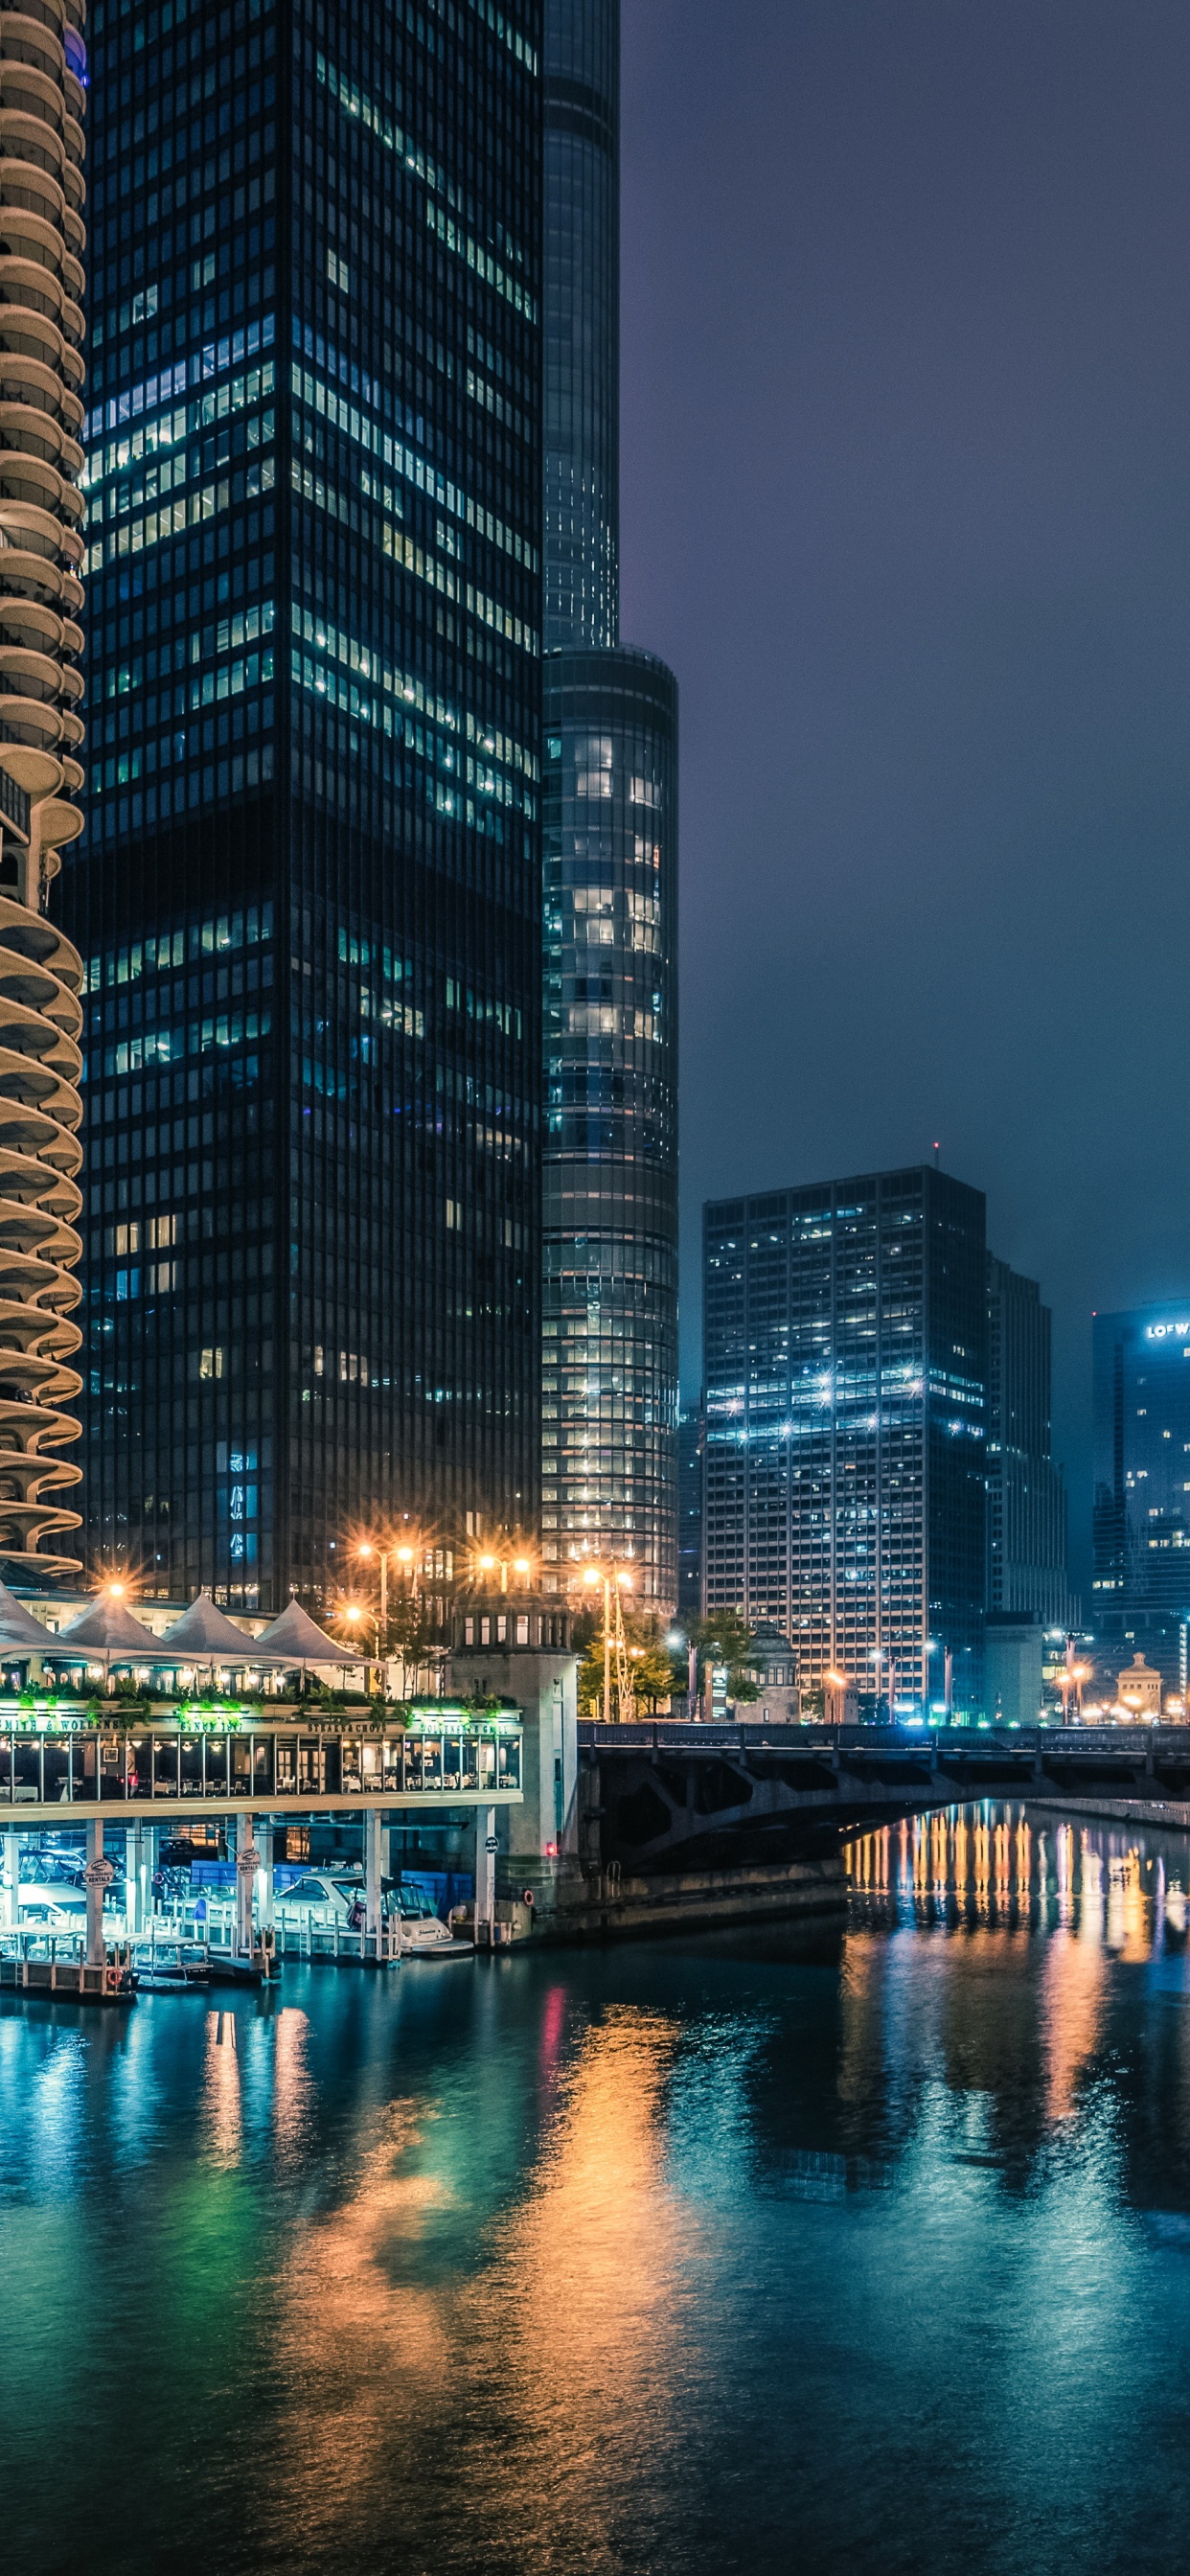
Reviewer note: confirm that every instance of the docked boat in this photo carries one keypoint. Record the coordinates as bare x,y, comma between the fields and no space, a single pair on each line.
162,1969
423,1934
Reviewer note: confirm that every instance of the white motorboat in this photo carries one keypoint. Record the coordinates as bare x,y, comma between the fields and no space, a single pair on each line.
423,1934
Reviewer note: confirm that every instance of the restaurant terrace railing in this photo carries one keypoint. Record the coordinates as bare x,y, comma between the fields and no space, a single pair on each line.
178,1764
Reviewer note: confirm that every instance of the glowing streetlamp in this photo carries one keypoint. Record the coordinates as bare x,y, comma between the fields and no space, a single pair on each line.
879,1655
617,1576
1071,1678
406,1558
353,1615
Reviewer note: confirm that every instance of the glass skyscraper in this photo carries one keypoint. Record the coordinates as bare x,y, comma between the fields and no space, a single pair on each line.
1140,1590
609,1471
1026,1512
845,1335
309,895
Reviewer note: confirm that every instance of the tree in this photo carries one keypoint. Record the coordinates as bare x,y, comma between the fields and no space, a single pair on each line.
724,1637
408,1635
655,1673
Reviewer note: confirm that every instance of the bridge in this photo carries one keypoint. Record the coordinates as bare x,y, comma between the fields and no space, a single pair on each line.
680,1797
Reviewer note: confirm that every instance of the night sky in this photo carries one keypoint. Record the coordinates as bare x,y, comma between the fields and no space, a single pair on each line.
907,506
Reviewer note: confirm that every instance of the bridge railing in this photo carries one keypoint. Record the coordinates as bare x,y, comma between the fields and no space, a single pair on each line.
935,1745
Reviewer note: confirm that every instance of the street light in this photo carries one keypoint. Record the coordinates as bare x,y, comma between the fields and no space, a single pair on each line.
834,1684
879,1654
618,1576
366,1550
353,1615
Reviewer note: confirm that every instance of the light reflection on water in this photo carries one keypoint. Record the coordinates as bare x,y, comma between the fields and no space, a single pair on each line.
862,2247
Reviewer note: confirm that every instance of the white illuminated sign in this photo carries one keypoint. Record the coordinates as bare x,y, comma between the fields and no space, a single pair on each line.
1166,1332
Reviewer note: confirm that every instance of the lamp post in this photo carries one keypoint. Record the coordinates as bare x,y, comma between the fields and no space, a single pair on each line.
1071,1678
366,1549
623,1583
834,1691
354,1617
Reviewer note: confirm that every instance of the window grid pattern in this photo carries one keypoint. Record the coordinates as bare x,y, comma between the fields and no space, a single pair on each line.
609,1475
845,1339
316,482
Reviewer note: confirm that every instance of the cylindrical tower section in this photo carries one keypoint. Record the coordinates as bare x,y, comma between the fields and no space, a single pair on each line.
582,322
610,1364
42,77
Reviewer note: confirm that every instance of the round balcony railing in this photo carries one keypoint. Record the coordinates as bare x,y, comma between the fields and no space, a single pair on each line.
42,97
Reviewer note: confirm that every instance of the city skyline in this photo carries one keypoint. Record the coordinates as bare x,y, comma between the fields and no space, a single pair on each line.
935,767
132,324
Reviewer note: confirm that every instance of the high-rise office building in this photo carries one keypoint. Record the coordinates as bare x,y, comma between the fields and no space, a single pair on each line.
309,898
692,1428
43,74
845,1338
609,1468
1140,1592
1026,1509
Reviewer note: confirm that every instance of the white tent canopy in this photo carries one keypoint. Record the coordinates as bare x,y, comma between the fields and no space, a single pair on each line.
203,1635
18,1627
105,1627
293,1638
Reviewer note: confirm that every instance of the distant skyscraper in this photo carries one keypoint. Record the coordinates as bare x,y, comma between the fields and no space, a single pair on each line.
44,63
310,892
691,1442
1140,1591
845,1336
582,322
609,1475
1026,1514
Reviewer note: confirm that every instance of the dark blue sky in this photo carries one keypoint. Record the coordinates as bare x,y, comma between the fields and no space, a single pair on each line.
907,506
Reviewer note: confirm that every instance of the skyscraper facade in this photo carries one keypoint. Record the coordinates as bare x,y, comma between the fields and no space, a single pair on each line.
609,1402
309,893
691,1443
845,1342
1140,1591
43,74
582,334
1026,1509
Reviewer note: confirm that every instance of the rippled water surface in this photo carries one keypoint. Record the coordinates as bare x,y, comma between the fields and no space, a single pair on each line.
739,2253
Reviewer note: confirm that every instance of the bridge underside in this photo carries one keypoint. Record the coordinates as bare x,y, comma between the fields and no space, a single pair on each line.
688,1798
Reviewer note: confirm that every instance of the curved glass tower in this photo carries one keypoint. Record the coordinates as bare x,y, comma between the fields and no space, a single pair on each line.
42,75
609,1390
582,338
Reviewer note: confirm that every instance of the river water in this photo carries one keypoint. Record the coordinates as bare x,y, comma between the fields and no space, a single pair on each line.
740,2253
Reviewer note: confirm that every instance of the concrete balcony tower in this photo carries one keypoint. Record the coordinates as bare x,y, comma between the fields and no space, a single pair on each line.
42,75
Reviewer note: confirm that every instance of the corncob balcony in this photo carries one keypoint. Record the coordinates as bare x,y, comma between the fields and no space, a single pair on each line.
42,77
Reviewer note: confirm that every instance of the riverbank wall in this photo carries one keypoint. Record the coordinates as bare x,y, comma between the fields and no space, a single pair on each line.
559,1901
1171,1812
